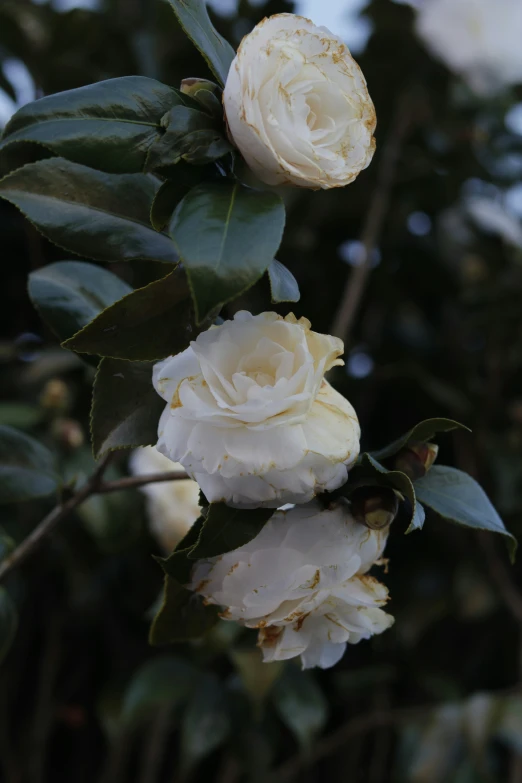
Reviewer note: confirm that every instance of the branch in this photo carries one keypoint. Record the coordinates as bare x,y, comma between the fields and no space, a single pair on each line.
94,486
356,283
133,482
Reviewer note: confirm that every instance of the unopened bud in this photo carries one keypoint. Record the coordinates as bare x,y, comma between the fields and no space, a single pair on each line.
55,395
68,433
416,459
374,507
194,84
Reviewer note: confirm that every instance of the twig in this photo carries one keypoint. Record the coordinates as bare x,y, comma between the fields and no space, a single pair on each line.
357,281
133,482
94,486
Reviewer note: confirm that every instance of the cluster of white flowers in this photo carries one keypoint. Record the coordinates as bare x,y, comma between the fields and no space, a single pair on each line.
303,582
249,414
478,39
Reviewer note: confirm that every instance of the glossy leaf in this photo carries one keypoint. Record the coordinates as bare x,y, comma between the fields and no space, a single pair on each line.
182,615
163,681
456,496
8,622
420,433
148,324
27,468
125,407
110,125
193,17
69,294
206,721
300,703
225,529
283,285
227,236
102,216
191,135
182,178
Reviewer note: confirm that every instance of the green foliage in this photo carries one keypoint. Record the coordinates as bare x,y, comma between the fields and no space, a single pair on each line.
193,17
208,229
125,407
110,125
8,622
185,177
27,469
147,324
300,704
182,615
456,496
225,529
102,216
421,433
69,294
190,135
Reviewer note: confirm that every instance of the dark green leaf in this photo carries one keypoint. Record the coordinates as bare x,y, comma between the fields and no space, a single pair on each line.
417,523
102,216
190,135
193,17
27,468
206,721
148,324
301,704
125,407
178,564
459,498
182,615
184,177
8,622
69,294
109,125
419,434
227,236
162,681
283,285
228,528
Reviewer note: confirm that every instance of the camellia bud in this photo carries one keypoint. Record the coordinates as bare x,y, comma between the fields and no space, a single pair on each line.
68,433
374,507
55,396
416,459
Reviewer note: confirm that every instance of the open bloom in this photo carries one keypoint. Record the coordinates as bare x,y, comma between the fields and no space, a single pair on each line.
172,506
297,105
478,39
303,582
250,416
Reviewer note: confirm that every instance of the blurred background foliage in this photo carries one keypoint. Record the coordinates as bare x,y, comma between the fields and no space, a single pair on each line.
438,698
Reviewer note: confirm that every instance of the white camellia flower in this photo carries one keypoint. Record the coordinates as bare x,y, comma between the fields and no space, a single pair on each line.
250,416
478,39
297,105
303,582
172,506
